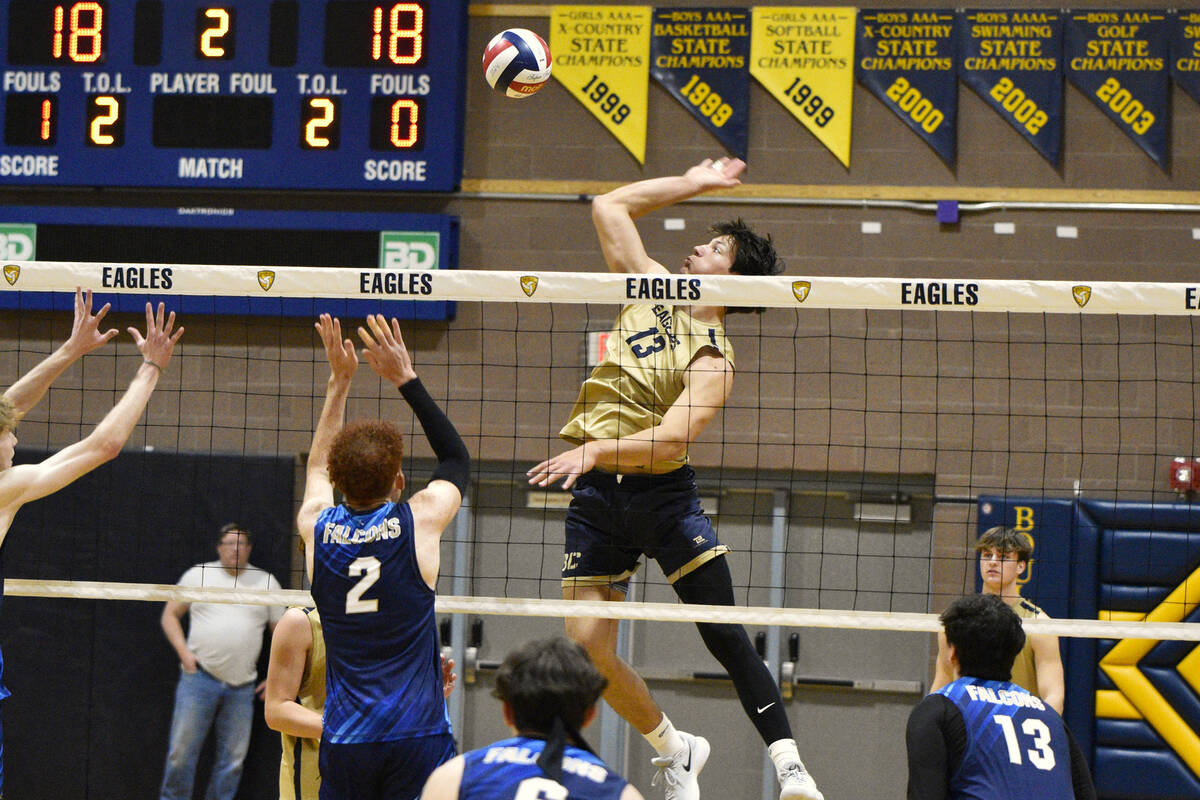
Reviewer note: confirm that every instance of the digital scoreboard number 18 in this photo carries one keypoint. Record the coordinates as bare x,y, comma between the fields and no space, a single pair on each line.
240,94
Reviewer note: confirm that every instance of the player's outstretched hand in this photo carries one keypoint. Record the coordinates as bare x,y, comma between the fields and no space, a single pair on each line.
568,466
343,361
159,342
448,677
385,350
85,332
724,173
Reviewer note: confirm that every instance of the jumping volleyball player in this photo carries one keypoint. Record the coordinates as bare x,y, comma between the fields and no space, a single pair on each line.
666,373
27,482
374,565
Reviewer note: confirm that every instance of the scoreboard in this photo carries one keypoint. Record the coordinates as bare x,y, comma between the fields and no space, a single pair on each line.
274,94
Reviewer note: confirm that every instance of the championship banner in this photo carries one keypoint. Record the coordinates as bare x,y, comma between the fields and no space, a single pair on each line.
1013,60
804,56
907,59
1185,52
1119,60
699,55
601,54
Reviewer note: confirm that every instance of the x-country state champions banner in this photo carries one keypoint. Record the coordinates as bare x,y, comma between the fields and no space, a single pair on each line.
808,57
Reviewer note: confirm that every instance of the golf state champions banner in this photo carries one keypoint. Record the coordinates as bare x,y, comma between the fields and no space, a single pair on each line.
804,56
602,55
1013,60
700,56
1185,52
1119,59
907,59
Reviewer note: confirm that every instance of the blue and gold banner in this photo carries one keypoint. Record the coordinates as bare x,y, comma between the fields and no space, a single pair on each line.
1185,52
1119,60
1013,60
907,59
701,56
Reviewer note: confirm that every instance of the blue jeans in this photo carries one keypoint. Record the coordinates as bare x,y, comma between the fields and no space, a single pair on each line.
199,700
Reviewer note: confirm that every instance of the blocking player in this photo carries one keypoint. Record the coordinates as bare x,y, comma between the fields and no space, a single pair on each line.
1003,557
295,699
23,484
981,735
667,371
374,563
548,690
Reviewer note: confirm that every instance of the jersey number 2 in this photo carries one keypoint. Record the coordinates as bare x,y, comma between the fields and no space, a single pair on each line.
1041,756
540,789
368,567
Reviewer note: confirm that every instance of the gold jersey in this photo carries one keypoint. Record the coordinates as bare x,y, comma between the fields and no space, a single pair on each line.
299,773
641,374
1024,670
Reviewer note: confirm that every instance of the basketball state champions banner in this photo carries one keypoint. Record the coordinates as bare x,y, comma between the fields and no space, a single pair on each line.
804,57
1119,59
1013,60
601,55
700,56
907,59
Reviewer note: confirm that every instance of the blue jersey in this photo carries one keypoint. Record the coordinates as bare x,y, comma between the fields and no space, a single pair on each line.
1016,744
383,667
508,769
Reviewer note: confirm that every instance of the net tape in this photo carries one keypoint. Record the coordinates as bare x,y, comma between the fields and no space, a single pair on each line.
1096,297
646,611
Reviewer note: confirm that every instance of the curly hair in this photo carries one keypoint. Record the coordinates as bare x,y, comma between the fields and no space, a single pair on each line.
549,678
752,254
364,460
1005,540
8,415
986,634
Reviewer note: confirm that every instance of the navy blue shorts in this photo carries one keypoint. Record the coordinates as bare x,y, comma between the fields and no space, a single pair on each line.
612,522
394,770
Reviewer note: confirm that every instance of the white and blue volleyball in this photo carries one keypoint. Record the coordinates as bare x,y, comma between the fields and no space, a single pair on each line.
516,62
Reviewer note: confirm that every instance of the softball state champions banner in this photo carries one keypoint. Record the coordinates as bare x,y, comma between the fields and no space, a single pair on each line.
1185,52
1119,60
804,56
601,54
1013,60
907,59
700,56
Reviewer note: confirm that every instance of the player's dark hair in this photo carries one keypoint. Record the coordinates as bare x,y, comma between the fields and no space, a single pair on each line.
8,415
233,527
365,459
752,254
1005,540
986,634
550,684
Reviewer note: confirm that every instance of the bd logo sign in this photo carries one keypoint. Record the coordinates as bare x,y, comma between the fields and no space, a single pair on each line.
409,249
18,242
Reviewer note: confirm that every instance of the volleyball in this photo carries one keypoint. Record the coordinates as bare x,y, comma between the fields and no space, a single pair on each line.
516,62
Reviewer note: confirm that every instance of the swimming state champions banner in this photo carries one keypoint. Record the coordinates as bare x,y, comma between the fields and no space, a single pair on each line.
1119,59
601,55
700,56
1185,52
1013,60
804,56
907,59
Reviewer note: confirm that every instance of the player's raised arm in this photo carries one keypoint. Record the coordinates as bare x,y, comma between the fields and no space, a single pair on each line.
85,337
434,506
28,482
318,490
614,213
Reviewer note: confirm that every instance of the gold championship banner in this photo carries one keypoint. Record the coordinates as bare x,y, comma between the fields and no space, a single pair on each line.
804,56
775,291
602,56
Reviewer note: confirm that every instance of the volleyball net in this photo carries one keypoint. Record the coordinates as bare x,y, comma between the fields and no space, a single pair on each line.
875,426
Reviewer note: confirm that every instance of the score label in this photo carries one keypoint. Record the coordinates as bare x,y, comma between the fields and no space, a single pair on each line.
282,94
